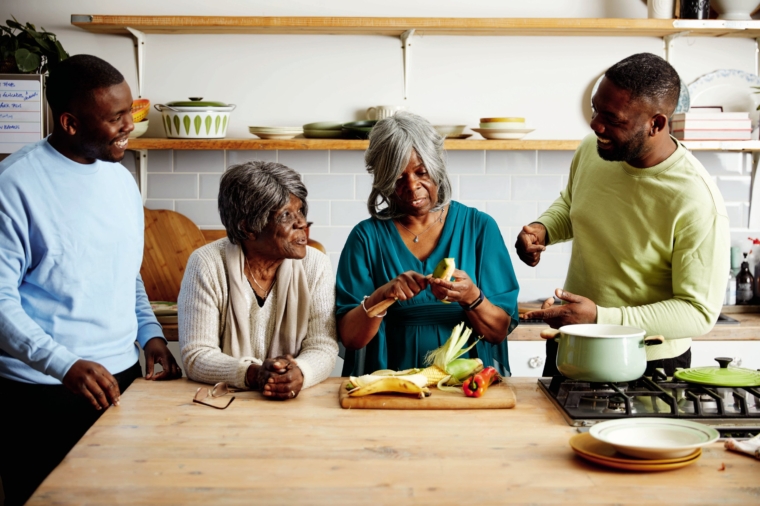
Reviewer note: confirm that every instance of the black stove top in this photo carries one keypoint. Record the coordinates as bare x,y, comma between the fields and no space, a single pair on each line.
734,412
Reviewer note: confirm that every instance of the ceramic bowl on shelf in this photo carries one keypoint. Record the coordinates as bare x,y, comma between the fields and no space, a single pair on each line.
735,9
322,134
503,134
450,131
140,128
323,125
278,133
357,129
195,118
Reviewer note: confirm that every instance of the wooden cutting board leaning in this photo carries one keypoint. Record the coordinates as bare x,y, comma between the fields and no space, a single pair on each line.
498,396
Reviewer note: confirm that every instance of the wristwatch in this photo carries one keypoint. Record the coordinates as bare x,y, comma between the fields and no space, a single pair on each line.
474,304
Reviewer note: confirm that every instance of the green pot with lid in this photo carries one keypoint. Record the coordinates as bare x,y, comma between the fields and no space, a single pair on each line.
722,376
195,118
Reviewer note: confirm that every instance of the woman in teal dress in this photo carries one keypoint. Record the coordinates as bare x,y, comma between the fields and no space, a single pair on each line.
414,225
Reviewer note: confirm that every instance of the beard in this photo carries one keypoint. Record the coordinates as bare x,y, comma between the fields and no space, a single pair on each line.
626,152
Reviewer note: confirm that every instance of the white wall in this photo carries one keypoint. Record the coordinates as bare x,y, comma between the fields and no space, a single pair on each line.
296,79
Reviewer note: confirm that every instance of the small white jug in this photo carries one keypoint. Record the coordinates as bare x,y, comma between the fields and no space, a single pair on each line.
383,111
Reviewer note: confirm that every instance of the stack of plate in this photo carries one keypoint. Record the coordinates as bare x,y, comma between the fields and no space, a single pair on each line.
275,132
509,128
644,444
357,129
322,130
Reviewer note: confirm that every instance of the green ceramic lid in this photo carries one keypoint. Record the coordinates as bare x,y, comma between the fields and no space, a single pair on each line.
197,102
722,376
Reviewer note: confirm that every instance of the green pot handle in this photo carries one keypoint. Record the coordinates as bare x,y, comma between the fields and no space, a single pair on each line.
652,340
549,333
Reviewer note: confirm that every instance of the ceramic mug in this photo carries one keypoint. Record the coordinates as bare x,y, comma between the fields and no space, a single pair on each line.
695,9
661,9
379,112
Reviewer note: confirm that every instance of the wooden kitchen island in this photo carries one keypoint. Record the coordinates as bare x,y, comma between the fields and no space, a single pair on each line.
159,447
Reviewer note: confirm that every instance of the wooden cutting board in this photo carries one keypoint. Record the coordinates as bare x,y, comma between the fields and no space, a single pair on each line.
498,396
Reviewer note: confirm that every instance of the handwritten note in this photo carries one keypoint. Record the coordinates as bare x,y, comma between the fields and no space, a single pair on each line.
20,112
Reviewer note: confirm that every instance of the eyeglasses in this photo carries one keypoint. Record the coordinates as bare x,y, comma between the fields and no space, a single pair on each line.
211,397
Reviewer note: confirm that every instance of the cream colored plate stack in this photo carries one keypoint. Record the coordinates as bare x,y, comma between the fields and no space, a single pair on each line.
507,128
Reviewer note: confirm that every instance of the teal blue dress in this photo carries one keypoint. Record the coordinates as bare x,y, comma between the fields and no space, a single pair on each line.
375,253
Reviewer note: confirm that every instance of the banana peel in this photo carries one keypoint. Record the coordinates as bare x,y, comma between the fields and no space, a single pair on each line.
413,384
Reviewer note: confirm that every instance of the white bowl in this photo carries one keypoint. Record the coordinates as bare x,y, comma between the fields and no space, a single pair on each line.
503,134
140,128
654,438
735,9
450,130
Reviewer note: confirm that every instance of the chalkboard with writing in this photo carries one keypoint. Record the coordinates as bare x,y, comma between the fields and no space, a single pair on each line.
22,111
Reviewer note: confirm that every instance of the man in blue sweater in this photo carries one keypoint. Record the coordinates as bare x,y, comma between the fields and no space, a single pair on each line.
72,303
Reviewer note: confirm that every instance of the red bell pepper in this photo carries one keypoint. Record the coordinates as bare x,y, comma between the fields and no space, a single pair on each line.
477,385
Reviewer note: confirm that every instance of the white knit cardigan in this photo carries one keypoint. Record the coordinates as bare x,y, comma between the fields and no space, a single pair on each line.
202,305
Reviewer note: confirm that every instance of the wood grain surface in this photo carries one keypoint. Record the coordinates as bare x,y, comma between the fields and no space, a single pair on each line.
498,396
170,238
158,447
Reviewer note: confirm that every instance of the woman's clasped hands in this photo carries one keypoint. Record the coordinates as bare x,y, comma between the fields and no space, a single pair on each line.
276,378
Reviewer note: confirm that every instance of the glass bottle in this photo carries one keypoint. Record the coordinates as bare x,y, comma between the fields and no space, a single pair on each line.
744,284
730,299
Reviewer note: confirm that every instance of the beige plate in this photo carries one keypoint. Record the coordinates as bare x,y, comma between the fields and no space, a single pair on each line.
588,446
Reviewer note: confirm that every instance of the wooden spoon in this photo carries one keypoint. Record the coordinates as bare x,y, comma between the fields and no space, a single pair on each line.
380,307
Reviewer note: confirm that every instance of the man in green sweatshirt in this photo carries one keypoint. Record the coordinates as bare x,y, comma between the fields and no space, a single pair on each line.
649,227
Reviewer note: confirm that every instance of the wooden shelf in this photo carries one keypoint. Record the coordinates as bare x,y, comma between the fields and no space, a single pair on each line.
607,27
339,144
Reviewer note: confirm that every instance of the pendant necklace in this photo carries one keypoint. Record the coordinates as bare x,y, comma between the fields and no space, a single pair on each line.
266,292
417,236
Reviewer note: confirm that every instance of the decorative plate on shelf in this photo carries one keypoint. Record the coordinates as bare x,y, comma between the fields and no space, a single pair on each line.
729,88
503,134
684,99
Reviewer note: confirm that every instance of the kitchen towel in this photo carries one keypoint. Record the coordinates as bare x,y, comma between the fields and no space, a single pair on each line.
750,446
292,308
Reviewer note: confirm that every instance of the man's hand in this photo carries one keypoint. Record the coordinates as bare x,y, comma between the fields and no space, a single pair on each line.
277,378
156,351
93,382
531,241
576,310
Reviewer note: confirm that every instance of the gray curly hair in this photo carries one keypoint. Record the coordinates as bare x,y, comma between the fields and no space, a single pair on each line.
249,192
391,142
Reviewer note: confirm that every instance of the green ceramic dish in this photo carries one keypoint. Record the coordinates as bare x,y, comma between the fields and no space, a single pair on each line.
357,129
722,376
323,125
322,134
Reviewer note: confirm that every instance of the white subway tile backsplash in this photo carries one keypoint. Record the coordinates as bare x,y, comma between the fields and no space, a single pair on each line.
319,212
347,162
721,163
512,214
198,161
522,270
332,238
476,204
161,160
538,289
465,162
553,265
172,186
204,213
306,162
362,187
510,162
347,213
334,260
209,186
237,157
484,188
554,162
737,215
734,188
534,187
329,186
129,161
159,204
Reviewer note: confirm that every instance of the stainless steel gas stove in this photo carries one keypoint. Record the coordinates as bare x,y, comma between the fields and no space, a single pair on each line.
734,412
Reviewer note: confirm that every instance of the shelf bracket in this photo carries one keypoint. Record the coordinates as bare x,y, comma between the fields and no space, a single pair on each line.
668,42
140,50
141,167
406,45
757,57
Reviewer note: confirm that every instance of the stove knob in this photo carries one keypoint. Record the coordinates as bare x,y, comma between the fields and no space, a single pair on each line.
535,362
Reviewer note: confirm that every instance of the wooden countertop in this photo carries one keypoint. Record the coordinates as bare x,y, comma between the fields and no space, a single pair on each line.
160,448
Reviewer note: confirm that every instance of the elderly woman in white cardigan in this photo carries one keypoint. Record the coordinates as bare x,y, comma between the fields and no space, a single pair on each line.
257,309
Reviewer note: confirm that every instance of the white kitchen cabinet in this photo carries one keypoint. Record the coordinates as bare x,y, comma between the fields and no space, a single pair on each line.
745,353
526,358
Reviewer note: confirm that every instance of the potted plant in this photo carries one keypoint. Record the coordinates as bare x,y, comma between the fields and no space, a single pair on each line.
24,50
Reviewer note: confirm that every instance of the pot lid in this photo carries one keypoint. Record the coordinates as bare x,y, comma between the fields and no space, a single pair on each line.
722,376
197,102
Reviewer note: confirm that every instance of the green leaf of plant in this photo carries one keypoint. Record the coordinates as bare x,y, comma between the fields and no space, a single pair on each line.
26,61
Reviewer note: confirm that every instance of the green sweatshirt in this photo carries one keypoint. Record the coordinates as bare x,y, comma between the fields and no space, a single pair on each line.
651,246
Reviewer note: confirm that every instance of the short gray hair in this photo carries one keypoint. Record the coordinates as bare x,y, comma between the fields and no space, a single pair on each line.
391,142
249,192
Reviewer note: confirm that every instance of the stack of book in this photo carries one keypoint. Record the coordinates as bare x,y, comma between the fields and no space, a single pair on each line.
707,125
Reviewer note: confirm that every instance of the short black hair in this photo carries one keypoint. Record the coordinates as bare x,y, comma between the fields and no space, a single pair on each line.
647,76
76,78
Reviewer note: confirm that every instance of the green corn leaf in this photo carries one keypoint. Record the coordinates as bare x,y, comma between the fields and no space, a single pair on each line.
186,123
197,123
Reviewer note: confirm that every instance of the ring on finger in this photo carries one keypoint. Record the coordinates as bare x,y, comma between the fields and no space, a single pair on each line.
446,298
292,394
